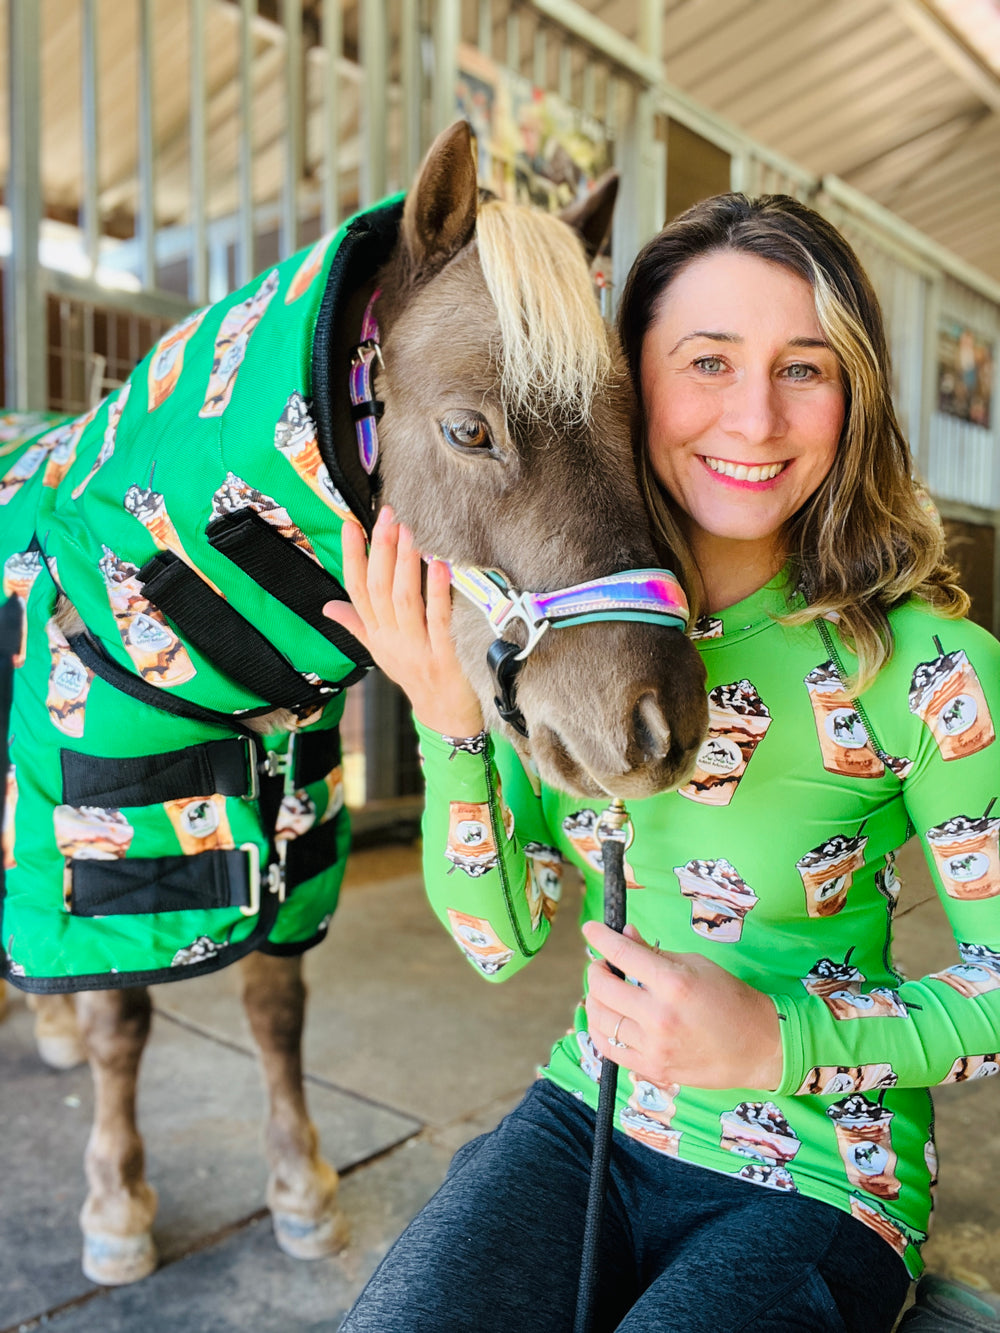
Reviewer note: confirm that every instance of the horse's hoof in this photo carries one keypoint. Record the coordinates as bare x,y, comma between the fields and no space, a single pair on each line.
303,1239
61,1050
113,1261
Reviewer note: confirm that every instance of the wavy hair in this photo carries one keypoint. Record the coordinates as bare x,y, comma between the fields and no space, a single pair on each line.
864,540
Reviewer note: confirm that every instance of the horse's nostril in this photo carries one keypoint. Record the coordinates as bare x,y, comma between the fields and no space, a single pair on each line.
651,728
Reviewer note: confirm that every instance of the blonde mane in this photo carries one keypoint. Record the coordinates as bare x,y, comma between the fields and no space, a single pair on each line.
555,349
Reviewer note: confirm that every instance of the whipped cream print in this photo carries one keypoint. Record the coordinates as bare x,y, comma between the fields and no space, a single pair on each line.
967,855
946,694
738,720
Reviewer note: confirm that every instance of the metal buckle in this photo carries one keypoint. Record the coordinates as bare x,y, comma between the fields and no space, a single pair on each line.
253,852
524,608
275,764
276,870
252,774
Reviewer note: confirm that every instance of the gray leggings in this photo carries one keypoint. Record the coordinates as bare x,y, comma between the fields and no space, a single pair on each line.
683,1248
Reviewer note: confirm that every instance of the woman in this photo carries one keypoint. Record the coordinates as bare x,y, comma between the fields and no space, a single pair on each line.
762,1032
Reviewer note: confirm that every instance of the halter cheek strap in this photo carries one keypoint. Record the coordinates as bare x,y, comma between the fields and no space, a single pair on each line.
652,596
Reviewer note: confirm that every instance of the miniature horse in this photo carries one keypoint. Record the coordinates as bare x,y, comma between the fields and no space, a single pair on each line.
506,431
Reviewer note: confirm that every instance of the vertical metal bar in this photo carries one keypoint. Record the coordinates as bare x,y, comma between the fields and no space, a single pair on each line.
146,213
484,27
514,39
245,246
24,328
333,44
540,60
566,71
198,126
373,51
294,100
410,87
447,33
589,86
91,136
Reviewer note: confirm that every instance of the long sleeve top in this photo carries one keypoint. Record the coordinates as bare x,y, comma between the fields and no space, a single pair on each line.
777,861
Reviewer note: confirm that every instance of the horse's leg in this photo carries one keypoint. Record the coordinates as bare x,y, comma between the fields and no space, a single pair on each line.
57,1032
117,1216
301,1186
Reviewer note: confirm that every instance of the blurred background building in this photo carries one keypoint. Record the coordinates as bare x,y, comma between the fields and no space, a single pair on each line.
155,154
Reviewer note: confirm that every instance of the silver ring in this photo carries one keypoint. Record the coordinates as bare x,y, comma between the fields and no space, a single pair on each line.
613,1039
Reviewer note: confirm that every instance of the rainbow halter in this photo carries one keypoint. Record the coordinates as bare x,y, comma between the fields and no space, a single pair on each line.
652,596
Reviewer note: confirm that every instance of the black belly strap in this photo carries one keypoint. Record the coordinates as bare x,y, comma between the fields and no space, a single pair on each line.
133,886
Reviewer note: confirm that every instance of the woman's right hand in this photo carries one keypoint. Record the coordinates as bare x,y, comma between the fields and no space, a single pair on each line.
408,638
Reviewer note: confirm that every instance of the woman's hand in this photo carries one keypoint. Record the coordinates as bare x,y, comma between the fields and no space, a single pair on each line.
410,639
689,1021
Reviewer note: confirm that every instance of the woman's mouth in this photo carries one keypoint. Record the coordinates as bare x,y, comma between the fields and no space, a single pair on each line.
741,473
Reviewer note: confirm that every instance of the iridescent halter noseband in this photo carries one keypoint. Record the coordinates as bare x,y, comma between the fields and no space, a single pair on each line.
652,596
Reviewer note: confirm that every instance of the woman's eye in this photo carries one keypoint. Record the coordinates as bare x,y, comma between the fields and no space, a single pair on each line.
799,371
712,365
470,432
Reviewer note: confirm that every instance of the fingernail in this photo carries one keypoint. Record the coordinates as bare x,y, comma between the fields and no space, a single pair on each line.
328,608
385,517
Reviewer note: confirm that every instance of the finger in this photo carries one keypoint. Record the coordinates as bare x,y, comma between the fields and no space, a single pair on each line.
354,548
407,595
439,608
610,1022
616,994
382,567
633,957
623,1056
343,613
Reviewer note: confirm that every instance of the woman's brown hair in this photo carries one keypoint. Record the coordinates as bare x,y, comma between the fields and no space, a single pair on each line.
863,541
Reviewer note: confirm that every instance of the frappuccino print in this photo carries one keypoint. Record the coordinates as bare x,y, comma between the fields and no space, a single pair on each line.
115,409
581,830
770,1177
720,899
707,627
19,573
201,950
150,509
888,883
977,973
843,740
167,360
967,854
200,823
235,494
24,469
881,1223
864,1139
479,942
231,342
827,872
738,720
296,815
69,684
308,269
968,1067
590,1058
946,695
835,1080
839,986
334,783
758,1129
91,833
62,443
648,1115
295,439
471,846
16,427
156,651
544,888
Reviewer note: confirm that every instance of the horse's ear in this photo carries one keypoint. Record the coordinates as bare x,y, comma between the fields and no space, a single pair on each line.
439,216
590,217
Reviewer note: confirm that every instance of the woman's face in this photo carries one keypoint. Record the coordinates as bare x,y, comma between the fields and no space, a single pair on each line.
743,396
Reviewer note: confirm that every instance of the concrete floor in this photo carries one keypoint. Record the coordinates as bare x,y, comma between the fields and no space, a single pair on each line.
408,1054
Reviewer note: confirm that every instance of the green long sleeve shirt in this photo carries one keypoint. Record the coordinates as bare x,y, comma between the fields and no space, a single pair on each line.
777,861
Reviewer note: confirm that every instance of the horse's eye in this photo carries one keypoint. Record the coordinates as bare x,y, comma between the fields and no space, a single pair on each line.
467,432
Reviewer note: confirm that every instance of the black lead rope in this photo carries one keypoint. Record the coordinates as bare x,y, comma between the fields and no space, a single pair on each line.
611,832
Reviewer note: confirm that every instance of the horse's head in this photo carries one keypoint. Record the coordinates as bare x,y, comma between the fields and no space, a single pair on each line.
507,443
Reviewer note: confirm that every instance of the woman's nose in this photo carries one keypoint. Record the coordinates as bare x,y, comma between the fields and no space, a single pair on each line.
753,409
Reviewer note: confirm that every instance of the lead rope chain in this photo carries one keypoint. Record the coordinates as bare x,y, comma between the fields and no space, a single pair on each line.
613,834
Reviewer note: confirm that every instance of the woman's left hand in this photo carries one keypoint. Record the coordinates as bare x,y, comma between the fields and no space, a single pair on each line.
689,1021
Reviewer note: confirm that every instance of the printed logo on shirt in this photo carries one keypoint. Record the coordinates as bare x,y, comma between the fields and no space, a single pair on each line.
738,720
946,695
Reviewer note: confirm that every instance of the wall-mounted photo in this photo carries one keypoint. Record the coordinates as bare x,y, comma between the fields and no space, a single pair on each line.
965,373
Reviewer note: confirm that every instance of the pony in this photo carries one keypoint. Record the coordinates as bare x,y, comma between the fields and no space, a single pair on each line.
173,802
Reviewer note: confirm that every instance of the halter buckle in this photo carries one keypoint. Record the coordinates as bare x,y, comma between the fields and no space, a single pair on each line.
522,606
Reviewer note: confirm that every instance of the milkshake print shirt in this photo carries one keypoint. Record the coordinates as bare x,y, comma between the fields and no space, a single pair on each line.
777,861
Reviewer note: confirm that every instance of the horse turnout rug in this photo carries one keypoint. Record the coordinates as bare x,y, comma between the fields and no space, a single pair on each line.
165,561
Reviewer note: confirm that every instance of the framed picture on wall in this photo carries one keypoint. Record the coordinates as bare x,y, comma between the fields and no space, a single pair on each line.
965,373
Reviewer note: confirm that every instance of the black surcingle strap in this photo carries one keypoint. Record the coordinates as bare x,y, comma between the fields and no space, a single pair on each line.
285,571
227,639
